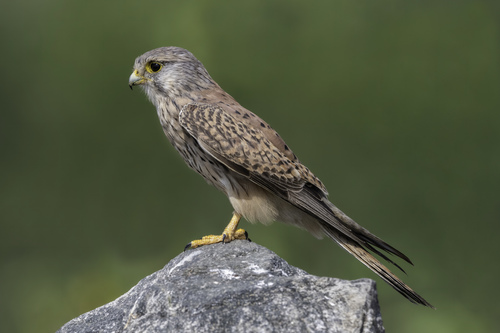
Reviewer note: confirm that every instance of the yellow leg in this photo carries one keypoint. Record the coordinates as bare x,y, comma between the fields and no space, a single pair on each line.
229,234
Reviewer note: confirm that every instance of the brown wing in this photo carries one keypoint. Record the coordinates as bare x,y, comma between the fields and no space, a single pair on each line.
240,114
245,149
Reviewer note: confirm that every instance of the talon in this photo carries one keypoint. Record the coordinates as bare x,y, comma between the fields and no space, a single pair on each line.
187,246
229,234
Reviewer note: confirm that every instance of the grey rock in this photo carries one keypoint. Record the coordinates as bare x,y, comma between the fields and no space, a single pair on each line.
236,287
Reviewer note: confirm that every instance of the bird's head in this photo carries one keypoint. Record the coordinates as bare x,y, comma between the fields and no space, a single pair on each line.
169,72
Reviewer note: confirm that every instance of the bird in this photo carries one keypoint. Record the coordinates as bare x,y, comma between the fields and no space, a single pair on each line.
240,154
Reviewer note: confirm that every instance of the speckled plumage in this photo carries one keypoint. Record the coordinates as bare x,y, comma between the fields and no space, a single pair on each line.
241,155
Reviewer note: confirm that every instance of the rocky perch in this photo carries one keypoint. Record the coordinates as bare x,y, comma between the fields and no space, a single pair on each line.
236,287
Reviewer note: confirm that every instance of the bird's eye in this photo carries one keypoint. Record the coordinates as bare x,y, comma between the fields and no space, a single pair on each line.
154,67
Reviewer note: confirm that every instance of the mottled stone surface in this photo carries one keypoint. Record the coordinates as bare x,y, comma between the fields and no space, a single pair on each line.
236,287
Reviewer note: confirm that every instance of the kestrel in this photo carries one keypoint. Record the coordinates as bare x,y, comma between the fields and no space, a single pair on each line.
241,155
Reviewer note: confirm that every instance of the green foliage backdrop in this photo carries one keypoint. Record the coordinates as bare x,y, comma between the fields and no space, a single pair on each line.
394,105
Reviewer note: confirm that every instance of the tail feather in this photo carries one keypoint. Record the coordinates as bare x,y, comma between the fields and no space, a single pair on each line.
363,234
374,250
376,266
353,238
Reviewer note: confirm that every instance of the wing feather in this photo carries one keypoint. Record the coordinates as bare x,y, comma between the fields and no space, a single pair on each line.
244,149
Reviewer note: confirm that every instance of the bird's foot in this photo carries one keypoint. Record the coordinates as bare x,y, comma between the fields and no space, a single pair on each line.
229,234
213,239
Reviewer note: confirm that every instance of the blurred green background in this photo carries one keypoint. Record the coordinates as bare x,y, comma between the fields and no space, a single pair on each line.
394,105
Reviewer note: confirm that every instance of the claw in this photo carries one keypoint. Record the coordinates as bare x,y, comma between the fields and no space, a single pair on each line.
229,234
187,247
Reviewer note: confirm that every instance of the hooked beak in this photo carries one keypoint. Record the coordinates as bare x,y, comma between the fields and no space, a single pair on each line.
136,79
